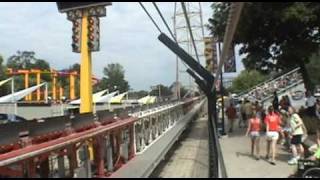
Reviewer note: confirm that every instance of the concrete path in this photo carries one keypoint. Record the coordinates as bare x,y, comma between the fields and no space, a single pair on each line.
239,164
189,157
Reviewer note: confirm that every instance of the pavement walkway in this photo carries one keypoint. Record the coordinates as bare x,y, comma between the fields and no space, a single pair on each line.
236,148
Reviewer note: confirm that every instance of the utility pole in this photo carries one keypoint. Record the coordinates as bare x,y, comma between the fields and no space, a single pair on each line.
222,97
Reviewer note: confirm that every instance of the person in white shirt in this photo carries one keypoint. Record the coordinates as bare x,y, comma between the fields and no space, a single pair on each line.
310,103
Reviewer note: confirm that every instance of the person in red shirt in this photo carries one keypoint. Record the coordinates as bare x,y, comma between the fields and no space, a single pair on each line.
254,127
272,121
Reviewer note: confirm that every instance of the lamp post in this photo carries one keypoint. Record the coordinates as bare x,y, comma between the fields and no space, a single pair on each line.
223,132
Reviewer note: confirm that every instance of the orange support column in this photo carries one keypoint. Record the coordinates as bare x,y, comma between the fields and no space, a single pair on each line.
37,72
38,90
61,92
72,77
26,85
54,83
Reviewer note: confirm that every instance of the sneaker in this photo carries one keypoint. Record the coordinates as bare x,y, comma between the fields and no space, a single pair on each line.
273,162
293,161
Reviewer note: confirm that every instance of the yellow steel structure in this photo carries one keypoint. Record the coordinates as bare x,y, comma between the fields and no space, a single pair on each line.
54,84
86,68
26,85
61,91
26,82
26,79
37,72
72,77
57,93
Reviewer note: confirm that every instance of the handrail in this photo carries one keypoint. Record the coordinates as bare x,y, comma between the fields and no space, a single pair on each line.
283,89
217,166
291,72
278,76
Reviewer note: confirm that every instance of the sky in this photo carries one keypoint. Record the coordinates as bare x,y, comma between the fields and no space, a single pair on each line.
127,36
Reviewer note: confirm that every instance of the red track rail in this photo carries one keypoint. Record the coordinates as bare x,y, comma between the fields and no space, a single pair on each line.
38,149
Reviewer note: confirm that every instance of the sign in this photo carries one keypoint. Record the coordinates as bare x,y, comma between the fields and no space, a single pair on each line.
297,95
230,63
67,6
210,52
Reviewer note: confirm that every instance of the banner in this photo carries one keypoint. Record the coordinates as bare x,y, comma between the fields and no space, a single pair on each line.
210,53
230,63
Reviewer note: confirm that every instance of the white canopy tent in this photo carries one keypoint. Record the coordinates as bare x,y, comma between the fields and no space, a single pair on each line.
19,95
106,98
118,98
5,81
95,97
147,100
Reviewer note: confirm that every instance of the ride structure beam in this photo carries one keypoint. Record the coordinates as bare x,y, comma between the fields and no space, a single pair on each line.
86,68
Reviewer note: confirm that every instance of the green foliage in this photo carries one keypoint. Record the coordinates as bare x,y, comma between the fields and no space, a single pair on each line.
183,91
114,78
273,35
138,94
313,68
164,91
246,80
75,67
27,60
64,81
4,88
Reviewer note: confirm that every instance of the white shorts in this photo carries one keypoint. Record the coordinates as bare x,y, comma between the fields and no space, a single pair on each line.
254,134
272,135
286,129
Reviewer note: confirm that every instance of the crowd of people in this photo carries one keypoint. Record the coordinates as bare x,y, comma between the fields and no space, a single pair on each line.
280,124
265,90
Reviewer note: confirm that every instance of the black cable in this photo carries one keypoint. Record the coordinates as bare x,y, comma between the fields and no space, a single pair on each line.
145,10
164,21
190,30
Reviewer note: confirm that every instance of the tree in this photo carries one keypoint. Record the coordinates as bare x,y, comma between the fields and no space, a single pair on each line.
273,35
75,67
114,78
183,91
22,60
27,60
138,94
246,80
313,68
3,89
164,91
